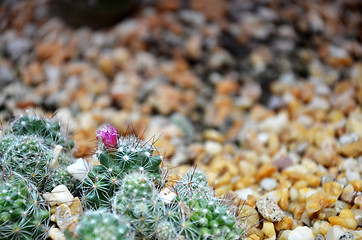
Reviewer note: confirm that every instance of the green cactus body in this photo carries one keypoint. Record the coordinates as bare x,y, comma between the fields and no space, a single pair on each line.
139,203
26,155
128,155
202,215
101,225
47,129
22,216
31,148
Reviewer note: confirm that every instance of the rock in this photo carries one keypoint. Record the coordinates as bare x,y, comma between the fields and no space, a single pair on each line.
333,188
275,124
79,170
319,200
344,219
268,184
213,148
62,195
269,209
244,193
347,236
268,229
6,75
76,207
319,237
285,224
266,170
334,233
56,234
348,138
33,75
18,47
301,233
358,216
63,216
50,199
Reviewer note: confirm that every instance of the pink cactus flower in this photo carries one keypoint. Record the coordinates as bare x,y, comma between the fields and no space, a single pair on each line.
109,136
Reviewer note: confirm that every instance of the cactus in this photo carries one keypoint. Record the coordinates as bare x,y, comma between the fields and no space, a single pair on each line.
47,129
100,225
22,215
203,215
30,148
117,157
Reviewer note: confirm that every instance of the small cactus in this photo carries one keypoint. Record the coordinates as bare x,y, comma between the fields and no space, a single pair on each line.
138,201
30,148
117,157
47,129
22,215
100,225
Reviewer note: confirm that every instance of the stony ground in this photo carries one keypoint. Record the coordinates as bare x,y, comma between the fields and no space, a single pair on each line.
265,96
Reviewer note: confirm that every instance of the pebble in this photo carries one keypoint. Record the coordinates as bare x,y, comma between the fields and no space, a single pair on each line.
56,234
344,219
347,236
268,184
334,233
63,216
6,75
269,209
301,233
59,195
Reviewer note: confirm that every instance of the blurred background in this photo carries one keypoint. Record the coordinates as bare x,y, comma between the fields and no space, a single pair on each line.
184,71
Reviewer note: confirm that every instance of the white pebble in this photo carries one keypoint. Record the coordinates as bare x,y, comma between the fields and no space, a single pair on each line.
301,233
268,184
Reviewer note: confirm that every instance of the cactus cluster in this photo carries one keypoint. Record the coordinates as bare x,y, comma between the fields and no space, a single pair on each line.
32,148
124,195
100,225
117,157
22,214
195,213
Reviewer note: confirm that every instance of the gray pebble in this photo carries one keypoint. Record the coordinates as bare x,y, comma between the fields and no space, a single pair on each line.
327,178
269,209
319,237
347,236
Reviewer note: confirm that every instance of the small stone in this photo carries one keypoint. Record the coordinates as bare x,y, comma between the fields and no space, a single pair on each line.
333,188
268,184
319,200
76,207
319,237
327,178
269,209
347,236
348,138
56,234
275,123
50,199
244,193
334,233
358,216
79,170
268,229
213,135
266,170
301,233
351,150
353,175
345,219
213,148
6,75
285,224
251,215
62,195
63,216
283,235
321,227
